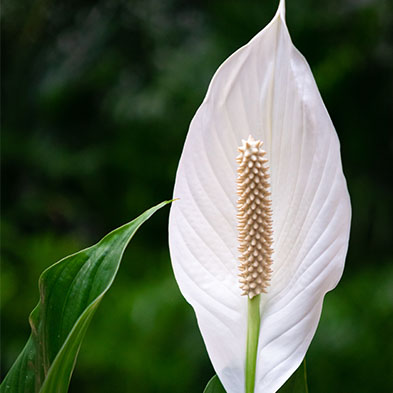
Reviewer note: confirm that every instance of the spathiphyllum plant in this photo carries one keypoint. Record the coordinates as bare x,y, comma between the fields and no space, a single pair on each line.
260,231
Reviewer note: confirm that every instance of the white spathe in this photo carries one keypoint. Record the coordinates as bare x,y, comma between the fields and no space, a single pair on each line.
265,89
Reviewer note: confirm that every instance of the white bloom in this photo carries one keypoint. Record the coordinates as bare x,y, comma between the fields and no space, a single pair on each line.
265,89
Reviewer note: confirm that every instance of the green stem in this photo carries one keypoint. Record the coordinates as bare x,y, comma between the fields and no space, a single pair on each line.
305,375
253,325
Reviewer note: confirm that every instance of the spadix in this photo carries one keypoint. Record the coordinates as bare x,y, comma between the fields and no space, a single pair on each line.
254,218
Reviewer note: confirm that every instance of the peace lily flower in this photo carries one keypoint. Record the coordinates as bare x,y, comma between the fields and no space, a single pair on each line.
260,231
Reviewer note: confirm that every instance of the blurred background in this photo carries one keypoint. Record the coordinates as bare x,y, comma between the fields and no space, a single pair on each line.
97,99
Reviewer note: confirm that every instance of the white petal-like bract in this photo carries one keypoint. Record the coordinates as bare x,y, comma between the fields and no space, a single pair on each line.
265,89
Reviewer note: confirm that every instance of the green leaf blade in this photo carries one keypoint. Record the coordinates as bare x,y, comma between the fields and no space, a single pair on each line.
70,292
214,386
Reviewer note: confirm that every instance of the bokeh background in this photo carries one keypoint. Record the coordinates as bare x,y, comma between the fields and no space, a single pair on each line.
96,100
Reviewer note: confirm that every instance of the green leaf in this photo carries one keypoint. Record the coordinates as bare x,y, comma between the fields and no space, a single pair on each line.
70,292
214,386
297,383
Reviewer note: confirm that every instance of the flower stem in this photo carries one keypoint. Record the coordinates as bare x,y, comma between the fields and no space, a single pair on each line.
253,325
305,375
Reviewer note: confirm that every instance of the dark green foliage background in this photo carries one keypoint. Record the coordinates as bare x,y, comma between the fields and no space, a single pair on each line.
96,100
